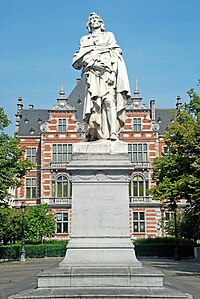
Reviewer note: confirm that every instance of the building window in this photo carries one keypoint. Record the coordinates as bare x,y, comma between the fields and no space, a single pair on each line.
138,186
62,223
165,150
138,222
62,125
61,187
31,154
168,215
31,188
62,152
137,124
138,152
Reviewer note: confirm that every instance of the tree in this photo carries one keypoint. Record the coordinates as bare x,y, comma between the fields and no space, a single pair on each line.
177,174
188,224
169,226
10,225
39,223
12,167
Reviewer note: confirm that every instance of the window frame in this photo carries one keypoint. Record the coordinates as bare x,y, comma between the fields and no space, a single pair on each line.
62,223
138,152
139,222
62,125
58,184
31,189
61,152
138,186
137,124
32,156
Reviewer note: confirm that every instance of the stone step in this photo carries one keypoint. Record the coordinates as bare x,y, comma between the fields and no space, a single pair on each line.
102,293
100,277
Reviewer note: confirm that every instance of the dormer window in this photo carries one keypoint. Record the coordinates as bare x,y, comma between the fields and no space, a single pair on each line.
79,101
26,120
31,131
62,125
137,124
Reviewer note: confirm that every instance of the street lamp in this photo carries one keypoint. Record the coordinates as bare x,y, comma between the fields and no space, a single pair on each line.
23,253
176,251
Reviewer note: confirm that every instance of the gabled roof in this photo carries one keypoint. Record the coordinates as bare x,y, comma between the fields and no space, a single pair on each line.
30,121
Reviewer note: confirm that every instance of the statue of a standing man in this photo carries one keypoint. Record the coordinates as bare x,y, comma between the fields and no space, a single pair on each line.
106,81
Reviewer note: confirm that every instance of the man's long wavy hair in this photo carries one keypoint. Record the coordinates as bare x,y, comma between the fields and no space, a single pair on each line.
100,19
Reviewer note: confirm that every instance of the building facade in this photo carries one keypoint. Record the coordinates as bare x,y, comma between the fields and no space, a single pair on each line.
48,136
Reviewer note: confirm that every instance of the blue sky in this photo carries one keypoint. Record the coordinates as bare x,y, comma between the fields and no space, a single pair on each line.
159,38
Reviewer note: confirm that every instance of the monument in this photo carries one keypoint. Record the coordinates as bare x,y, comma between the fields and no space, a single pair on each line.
100,261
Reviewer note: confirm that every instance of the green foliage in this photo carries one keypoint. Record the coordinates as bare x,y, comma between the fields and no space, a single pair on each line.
12,252
164,250
11,167
39,223
190,225
163,247
169,227
162,240
177,174
56,242
10,225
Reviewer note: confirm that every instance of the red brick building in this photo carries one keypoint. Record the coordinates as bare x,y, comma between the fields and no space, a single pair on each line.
48,135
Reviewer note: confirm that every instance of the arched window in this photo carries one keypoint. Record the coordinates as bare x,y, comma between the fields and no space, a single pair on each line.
61,187
138,186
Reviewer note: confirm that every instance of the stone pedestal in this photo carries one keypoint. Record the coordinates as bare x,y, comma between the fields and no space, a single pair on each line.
100,261
100,235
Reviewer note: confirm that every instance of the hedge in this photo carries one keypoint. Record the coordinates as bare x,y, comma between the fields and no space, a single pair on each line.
164,250
165,240
13,252
10,252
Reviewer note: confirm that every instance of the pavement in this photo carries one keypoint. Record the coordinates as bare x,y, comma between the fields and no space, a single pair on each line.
183,275
15,276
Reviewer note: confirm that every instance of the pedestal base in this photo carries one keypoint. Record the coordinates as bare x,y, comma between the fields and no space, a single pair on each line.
100,252
100,277
101,283
99,293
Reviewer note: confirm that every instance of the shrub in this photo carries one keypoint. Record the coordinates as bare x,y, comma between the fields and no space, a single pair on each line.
161,240
10,252
164,247
55,250
13,252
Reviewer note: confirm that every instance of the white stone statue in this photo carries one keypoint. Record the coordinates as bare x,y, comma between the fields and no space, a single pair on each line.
106,81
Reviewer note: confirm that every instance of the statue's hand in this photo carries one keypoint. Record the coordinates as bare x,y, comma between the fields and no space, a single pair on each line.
111,79
99,66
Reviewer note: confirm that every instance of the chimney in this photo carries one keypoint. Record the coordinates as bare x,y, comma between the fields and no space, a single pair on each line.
152,110
18,115
78,80
19,105
178,103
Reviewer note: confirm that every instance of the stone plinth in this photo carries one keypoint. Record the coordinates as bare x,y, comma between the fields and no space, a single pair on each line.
100,261
100,235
